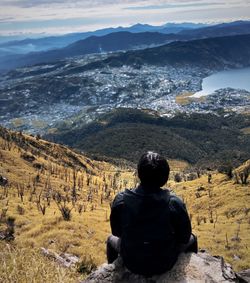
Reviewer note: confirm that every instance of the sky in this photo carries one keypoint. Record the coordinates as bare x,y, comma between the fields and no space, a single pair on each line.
65,16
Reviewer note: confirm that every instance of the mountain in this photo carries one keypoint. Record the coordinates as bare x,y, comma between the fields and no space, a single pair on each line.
210,52
94,44
54,42
184,30
224,29
114,42
127,133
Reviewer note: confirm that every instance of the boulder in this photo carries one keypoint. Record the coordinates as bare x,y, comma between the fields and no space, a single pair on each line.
190,267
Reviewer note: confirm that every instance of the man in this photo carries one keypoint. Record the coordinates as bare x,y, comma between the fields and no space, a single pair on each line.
150,227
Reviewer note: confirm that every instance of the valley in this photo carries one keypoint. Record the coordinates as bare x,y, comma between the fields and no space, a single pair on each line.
36,98
62,94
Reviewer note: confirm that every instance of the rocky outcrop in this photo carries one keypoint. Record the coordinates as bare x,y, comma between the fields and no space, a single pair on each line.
64,259
190,267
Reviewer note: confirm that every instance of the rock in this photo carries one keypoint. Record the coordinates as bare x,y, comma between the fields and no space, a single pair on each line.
64,259
244,276
236,257
190,267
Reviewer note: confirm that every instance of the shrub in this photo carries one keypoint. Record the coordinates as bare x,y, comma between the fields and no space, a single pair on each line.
65,211
86,265
20,210
28,157
177,177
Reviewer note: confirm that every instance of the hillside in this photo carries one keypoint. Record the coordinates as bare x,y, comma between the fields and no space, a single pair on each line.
48,183
94,44
60,200
215,52
45,179
205,138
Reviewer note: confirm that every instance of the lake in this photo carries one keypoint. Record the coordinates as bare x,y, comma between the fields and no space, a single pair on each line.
237,78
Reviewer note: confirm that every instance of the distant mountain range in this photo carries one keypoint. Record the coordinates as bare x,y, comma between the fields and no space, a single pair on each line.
233,28
138,36
94,44
53,42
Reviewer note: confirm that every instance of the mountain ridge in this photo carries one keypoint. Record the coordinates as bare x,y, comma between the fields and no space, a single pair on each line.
211,52
13,61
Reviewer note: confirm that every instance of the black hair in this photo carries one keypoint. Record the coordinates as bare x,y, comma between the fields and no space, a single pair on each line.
153,170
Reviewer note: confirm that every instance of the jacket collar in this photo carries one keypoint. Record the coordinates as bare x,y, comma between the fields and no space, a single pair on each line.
146,190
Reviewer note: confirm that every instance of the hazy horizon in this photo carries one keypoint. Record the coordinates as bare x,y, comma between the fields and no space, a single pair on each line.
44,17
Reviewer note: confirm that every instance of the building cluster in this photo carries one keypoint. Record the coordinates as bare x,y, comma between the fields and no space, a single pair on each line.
36,98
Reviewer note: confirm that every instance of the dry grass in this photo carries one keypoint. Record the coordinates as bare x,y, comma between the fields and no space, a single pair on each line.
246,131
183,99
17,122
18,265
39,124
84,235
187,98
229,204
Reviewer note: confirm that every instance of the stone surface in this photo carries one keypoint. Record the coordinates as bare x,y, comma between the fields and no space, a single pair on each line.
190,267
244,275
64,259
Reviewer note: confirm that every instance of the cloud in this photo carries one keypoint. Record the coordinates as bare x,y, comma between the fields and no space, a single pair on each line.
76,3
61,16
6,19
171,6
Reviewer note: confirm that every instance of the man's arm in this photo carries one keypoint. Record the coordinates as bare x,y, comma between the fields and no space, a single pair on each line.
180,220
116,214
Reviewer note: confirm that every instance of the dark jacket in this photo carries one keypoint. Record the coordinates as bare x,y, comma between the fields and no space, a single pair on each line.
151,226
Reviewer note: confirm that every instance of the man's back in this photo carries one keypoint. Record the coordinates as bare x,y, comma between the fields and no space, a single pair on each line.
149,226
146,223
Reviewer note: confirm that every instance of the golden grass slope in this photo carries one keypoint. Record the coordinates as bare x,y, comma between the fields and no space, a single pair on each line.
38,170
220,214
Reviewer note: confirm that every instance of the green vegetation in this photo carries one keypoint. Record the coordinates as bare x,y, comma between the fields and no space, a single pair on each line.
196,138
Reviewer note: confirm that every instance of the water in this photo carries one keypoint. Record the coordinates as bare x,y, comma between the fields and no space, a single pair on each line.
237,78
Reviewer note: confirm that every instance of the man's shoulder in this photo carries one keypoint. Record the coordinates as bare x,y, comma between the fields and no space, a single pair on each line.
169,195
119,199
175,202
174,198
